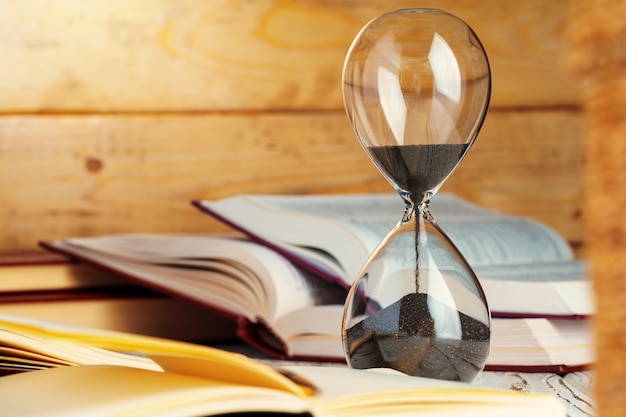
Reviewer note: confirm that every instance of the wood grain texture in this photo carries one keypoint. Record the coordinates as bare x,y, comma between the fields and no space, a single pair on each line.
598,58
88,175
114,114
205,55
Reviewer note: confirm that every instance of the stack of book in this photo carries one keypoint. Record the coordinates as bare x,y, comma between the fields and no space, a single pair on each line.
284,275
45,285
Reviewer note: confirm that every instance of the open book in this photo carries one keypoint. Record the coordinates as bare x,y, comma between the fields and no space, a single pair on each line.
289,312
525,267
191,380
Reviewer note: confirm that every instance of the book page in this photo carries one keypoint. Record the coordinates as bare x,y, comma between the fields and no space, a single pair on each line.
505,240
86,346
35,345
104,391
234,274
550,288
545,342
374,392
349,227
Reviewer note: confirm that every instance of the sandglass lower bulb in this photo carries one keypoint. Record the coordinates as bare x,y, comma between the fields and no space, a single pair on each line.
417,307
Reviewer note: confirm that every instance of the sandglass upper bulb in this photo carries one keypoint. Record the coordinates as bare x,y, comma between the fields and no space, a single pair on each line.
412,78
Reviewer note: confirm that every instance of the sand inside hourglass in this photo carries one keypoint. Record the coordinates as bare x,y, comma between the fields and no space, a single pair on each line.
417,169
403,335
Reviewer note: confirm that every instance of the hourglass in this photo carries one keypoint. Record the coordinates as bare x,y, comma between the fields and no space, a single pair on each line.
416,86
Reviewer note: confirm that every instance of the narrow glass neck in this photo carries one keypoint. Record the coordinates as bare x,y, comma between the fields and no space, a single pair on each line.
421,210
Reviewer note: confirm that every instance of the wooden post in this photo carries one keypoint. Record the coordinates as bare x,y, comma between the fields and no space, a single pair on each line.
597,35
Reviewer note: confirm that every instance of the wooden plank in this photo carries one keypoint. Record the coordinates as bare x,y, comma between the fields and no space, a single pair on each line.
86,175
194,55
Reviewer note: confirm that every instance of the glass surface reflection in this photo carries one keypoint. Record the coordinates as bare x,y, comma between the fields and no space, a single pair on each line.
416,87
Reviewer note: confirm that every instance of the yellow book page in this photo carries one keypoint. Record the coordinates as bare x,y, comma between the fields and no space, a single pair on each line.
106,390
220,365
351,392
34,356
65,352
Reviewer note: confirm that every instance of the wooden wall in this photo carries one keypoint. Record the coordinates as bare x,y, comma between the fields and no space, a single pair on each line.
115,113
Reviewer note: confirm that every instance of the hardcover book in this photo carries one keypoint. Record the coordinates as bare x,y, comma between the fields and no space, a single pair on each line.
284,280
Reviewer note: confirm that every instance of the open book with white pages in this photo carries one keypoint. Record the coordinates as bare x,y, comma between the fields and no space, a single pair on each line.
286,281
334,234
